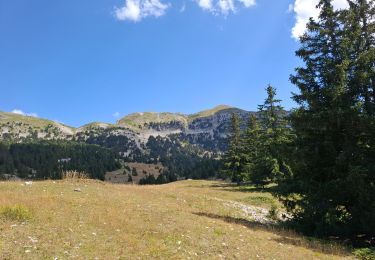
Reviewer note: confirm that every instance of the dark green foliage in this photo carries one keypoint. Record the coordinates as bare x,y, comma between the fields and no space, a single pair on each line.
257,154
265,142
148,180
161,179
233,158
332,188
180,160
40,160
119,144
365,253
130,178
134,172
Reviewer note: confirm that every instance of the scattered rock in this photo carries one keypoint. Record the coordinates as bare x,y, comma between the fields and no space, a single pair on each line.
33,240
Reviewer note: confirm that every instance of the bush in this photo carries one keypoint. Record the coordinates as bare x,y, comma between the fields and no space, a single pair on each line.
134,172
365,253
15,213
274,212
75,176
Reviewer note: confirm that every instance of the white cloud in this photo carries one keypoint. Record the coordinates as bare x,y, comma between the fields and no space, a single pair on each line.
290,8
136,10
205,4
305,9
224,6
20,112
247,3
183,8
116,114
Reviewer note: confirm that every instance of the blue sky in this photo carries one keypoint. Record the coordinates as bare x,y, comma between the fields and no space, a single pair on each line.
83,61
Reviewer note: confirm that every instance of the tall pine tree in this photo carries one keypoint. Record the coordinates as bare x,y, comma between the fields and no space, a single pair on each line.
331,190
233,158
264,142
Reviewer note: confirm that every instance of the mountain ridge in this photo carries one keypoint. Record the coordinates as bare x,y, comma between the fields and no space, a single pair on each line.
133,135
45,121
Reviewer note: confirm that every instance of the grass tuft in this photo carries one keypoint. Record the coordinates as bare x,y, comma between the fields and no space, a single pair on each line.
75,176
15,213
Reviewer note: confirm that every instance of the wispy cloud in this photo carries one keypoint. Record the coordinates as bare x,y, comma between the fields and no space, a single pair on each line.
22,113
136,10
304,9
183,8
116,114
224,6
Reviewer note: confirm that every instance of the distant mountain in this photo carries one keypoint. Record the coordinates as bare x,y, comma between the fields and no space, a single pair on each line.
207,130
187,146
18,127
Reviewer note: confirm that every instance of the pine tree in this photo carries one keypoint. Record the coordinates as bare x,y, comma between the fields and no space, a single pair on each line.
331,189
267,163
233,161
252,151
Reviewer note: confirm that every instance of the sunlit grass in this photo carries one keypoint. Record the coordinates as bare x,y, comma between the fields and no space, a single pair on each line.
188,219
15,213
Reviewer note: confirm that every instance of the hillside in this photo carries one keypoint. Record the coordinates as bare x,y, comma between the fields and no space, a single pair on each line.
209,112
207,129
15,126
188,146
144,119
183,220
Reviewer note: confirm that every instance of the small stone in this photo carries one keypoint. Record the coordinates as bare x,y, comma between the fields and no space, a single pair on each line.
33,240
77,190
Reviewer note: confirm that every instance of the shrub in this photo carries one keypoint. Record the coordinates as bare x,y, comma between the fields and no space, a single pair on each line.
15,213
75,176
134,172
365,253
274,212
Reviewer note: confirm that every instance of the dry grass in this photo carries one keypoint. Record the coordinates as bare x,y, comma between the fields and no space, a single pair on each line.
122,175
183,220
75,176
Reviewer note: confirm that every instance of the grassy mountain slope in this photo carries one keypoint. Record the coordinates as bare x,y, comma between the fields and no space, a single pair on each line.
188,219
209,112
139,119
20,124
95,125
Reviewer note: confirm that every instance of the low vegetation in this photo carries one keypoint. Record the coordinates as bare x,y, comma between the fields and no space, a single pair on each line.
181,220
15,213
